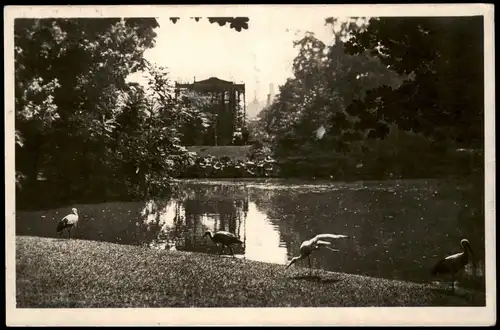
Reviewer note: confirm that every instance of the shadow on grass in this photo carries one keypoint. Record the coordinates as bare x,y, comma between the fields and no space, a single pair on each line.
60,238
235,257
449,292
316,278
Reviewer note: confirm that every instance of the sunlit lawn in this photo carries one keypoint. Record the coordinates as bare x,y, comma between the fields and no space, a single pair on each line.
78,273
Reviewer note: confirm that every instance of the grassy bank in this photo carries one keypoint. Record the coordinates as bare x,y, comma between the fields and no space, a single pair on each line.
77,273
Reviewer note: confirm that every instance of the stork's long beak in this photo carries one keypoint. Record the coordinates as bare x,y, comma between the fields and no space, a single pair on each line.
291,263
473,255
471,252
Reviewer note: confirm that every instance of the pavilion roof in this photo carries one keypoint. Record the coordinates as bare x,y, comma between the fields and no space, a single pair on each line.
212,84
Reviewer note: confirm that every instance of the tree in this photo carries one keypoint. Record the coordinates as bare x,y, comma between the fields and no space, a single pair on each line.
69,73
235,23
326,81
444,100
149,134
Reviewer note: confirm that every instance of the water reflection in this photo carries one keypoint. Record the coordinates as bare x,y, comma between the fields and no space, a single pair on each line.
183,220
263,239
399,229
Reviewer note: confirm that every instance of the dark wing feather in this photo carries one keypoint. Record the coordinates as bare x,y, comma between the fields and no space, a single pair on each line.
440,268
62,224
225,233
226,237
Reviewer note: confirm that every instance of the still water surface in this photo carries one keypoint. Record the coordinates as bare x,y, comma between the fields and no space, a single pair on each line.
398,229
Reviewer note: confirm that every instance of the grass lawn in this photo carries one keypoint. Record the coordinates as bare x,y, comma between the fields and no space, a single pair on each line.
78,273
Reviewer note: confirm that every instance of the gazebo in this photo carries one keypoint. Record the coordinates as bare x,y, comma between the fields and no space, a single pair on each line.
225,104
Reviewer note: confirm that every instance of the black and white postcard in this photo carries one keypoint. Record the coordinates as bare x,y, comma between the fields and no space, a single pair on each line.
250,165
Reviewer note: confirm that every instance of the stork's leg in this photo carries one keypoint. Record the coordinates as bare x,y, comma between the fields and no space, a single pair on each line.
231,249
221,249
310,268
69,233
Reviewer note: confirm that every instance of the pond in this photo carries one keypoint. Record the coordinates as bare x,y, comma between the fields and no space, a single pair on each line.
398,229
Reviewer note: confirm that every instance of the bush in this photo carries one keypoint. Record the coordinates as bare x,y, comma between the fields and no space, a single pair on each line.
225,167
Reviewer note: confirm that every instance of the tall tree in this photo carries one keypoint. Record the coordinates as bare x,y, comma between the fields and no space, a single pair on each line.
309,115
68,75
444,56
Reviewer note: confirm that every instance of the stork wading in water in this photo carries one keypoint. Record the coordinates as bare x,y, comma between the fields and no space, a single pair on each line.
313,244
68,222
451,265
223,238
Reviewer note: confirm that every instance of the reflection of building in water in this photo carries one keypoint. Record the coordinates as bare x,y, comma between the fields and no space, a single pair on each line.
216,208
225,212
184,221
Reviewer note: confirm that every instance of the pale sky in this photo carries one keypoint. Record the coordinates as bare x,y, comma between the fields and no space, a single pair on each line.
261,55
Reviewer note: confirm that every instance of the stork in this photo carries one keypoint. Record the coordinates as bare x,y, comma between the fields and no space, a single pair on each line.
454,263
68,222
313,244
224,238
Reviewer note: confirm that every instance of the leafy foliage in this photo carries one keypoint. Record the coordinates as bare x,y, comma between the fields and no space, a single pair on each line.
445,98
150,133
79,124
326,81
235,23
379,75
83,132
257,165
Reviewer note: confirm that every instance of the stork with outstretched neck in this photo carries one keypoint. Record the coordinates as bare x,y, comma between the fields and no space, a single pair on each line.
223,238
313,244
454,263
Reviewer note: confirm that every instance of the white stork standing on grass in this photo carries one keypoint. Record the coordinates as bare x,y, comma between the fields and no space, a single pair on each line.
68,222
451,265
315,243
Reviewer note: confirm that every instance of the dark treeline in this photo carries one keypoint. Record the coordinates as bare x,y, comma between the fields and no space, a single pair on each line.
391,97
82,131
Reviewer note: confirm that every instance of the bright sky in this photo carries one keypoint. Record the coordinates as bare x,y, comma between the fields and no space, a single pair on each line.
261,55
